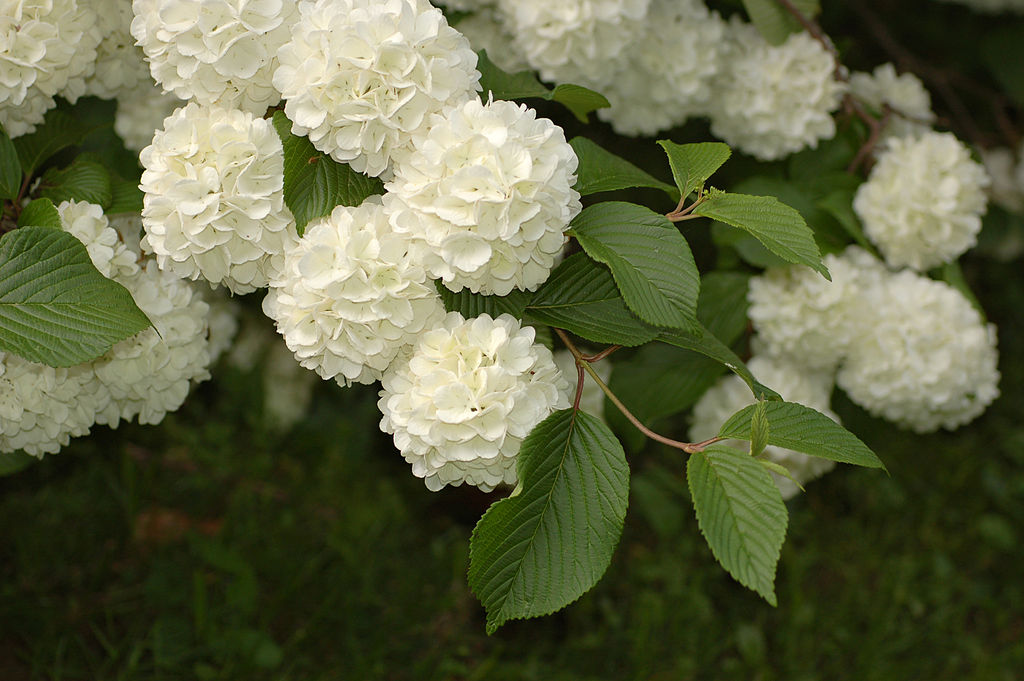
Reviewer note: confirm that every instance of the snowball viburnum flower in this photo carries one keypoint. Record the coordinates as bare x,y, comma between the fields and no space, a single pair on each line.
87,223
215,51
214,198
120,65
359,77
910,101
350,295
461,401
485,196
923,201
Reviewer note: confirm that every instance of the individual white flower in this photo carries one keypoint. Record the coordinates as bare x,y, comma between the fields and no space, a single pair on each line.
87,223
141,112
150,373
41,408
361,76
120,65
47,47
801,315
926,360
592,399
923,201
573,40
667,72
215,51
351,295
485,196
214,197
287,387
904,93
773,100
795,384
461,402
485,31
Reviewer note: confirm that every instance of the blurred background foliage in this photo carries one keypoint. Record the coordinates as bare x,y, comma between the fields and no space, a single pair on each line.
212,547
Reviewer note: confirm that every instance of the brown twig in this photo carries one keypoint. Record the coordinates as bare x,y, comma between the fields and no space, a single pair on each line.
601,355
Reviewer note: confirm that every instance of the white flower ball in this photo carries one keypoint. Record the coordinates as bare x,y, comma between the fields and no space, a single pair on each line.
87,223
926,360
592,399
361,76
47,47
351,295
214,199
150,373
799,314
573,40
771,101
215,51
461,402
667,73
485,31
922,202
904,93
485,196
795,384
120,65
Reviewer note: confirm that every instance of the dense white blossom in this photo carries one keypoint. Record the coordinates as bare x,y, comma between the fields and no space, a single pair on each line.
87,223
592,399
215,51
795,384
485,196
485,31
923,201
667,72
573,40
904,93
461,402
350,295
801,315
214,198
361,76
47,47
773,100
926,359
120,65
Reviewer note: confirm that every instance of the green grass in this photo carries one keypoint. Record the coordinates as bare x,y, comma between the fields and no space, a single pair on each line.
209,548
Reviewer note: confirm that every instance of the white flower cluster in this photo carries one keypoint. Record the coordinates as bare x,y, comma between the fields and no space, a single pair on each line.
351,295
907,348
120,65
904,93
484,196
214,199
923,201
461,401
47,48
794,383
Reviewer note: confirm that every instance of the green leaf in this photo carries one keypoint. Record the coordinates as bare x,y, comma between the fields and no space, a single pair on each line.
759,428
40,213
10,168
58,131
12,462
55,307
314,183
772,20
474,304
1002,52
779,227
839,204
722,307
953,274
740,513
602,171
802,429
580,296
537,551
80,181
704,342
693,164
500,84
648,257
125,197
781,470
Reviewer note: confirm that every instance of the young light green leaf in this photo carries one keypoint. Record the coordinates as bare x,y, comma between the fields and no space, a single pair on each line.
759,428
474,304
802,429
602,171
580,296
534,553
703,341
58,131
579,100
55,306
40,213
740,513
10,168
314,183
772,20
693,164
80,181
648,257
779,469
780,228
12,462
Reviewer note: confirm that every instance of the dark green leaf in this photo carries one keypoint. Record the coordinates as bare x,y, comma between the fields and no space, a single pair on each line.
495,82
704,342
580,101
40,213
603,171
59,130
80,181
10,168
55,307
648,257
471,304
839,204
125,197
12,462
722,307
693,164
537,551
